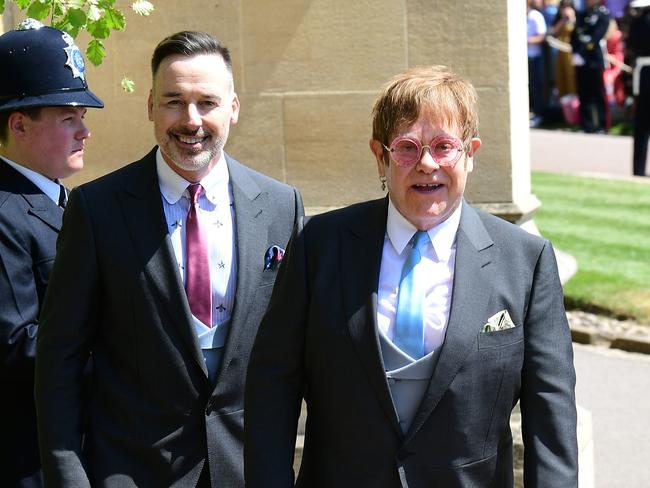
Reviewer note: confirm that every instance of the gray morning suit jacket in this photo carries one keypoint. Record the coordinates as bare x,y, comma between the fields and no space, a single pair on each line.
154,418
319,340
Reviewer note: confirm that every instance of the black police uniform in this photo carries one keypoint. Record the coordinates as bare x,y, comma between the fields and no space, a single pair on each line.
40,66
591,27
639,43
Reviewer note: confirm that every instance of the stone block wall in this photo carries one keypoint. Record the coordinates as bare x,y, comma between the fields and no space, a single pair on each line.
307,73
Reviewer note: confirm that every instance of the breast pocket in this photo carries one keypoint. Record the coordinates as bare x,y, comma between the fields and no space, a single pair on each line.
268,277
500,338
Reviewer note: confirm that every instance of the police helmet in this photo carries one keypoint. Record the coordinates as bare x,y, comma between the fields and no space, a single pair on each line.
41,66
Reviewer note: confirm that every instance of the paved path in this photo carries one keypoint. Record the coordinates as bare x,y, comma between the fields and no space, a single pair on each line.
575,152
613,385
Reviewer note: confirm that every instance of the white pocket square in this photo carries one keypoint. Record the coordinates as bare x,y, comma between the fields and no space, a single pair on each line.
499,321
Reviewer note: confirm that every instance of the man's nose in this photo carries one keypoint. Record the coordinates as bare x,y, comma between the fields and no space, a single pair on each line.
426,162
83,132
193,116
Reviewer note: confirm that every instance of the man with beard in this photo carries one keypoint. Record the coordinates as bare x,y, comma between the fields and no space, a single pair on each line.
164,270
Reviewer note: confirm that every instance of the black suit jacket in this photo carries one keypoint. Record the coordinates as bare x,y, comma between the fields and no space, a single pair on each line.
29,225
154,418
319,341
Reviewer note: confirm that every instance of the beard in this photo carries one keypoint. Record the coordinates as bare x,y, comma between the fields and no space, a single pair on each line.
190,159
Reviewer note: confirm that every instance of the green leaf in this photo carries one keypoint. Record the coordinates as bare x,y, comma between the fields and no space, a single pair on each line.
99,29
66,27
71,22
76,17
38,10
60,10
115,19
22,4
105,4
95,52
94,13
2,6
142,7
128,85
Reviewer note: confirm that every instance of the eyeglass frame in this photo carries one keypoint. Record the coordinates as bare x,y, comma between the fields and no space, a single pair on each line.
458,142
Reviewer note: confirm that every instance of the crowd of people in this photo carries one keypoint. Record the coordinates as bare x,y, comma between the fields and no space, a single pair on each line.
581,65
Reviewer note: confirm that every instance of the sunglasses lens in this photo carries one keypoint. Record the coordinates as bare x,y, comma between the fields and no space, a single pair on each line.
405,152
446,151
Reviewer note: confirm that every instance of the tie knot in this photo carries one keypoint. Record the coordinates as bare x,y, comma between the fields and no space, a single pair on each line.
195,190
420,238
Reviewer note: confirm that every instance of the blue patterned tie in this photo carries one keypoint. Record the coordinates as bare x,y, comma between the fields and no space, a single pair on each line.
409,327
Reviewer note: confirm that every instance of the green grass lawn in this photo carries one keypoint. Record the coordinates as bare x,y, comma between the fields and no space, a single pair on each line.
605,225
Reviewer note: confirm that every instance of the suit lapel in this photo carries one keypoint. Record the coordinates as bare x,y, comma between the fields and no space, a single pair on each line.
145,220
470,296
361,250
41,206
45,209
251,238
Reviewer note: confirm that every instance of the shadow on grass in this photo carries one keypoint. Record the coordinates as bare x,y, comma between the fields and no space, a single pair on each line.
577,303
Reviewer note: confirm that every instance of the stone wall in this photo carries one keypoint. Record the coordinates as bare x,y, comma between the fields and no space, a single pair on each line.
307,73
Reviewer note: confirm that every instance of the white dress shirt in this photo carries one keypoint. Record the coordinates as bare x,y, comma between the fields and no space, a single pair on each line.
216,208
50,187
437,264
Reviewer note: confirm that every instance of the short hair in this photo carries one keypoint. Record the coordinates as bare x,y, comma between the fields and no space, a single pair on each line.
33,113
189,43
451,99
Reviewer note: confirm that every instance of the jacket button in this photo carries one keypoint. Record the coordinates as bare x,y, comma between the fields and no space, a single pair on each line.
402,455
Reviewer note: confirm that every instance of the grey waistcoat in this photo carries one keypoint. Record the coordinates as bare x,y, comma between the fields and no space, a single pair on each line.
407,379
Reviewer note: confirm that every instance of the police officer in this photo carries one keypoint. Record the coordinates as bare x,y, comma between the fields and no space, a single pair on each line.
43,100
587,41
638,43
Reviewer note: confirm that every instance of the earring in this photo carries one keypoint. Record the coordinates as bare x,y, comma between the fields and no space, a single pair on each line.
382,180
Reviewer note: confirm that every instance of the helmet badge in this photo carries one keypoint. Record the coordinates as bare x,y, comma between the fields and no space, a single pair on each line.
75,59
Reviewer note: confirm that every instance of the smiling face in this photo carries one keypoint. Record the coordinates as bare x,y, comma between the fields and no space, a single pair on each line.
52,143
192,105
425,193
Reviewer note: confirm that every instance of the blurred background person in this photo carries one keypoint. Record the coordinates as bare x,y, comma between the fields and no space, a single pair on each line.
638,45
589,60
549,10
536,28
562,27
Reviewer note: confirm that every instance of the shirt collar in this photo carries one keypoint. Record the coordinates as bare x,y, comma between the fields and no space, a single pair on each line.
50,187
172,185
442,236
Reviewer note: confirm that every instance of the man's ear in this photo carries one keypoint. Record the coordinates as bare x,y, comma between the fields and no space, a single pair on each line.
150,105
377,150
475,144
235,109
16,124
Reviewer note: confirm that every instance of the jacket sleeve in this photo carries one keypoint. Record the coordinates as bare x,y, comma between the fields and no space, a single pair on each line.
274,383
20,302
548,383
63,348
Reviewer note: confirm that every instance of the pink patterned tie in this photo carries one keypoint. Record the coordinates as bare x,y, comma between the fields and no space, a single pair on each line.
197,265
